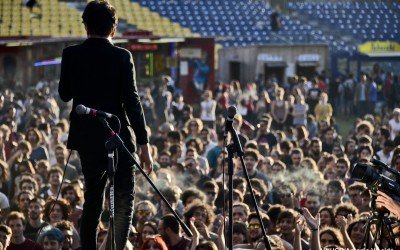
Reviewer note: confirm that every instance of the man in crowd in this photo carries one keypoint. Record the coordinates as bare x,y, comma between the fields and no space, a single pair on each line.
71,173
240,211
16,221
35,219
313,202
355,192
23,202
170,230
335,191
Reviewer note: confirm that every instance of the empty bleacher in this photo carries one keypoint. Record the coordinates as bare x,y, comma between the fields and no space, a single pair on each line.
364,21
237,22
144,18
50,18
241,23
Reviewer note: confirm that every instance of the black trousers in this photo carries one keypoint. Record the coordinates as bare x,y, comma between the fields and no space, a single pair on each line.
94,168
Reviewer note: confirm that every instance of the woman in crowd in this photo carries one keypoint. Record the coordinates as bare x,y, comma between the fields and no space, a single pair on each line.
204,218
263,105
356,231
149,229
193,128
4,178
327,217
300,135
330,236
300,110
394,124
279,110
240,234
323,110
235,92
145,211
55,139
56,210
39,152
208,107
154,243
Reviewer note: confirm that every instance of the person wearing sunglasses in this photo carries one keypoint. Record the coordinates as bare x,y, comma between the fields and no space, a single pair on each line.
254,227
211,190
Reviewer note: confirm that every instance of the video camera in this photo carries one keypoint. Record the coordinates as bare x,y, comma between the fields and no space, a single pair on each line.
365,173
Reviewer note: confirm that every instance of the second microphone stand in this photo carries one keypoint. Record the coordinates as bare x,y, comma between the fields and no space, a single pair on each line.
236,148
113,143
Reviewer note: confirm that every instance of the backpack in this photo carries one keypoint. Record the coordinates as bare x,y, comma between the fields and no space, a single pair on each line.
348,92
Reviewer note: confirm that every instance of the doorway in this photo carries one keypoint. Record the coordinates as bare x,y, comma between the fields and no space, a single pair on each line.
234,71
307,71
277,72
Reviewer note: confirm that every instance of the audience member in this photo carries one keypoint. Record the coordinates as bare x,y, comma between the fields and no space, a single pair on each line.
16,221
35,221
170,230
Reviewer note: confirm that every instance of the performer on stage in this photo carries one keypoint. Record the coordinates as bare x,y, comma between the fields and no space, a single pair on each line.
101,76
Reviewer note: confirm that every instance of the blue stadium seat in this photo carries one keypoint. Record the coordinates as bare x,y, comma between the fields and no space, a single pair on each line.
251,19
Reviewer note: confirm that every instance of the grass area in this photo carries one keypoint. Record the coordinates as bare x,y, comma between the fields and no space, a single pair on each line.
345,124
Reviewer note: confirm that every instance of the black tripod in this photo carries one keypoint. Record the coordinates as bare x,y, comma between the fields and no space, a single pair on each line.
381,224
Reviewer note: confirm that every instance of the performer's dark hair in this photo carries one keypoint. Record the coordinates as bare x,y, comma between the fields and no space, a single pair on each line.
100,17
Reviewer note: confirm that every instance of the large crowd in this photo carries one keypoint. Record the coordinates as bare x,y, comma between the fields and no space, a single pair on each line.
298,163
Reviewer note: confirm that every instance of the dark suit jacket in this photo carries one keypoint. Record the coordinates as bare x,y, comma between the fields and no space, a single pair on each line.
101,76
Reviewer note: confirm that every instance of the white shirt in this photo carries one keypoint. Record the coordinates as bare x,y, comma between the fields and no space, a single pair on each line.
4,203
394,128
387,159
208,110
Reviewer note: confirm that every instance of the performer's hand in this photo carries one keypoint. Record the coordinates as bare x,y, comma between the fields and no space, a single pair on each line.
146,161
384,200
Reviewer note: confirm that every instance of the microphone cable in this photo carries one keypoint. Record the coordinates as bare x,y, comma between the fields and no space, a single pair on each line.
224,153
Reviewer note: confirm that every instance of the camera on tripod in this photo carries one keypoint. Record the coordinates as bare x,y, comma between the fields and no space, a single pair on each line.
377,181
365,173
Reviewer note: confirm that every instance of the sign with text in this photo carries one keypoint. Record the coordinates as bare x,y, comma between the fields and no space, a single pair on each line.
380,48
269,58
308,58
142,47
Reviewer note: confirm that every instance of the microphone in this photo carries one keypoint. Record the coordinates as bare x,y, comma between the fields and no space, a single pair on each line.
232,111
82,110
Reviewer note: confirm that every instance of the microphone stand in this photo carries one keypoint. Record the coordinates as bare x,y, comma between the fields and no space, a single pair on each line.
113,143
233,148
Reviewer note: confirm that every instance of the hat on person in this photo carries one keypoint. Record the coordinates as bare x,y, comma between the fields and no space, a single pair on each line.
54,234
